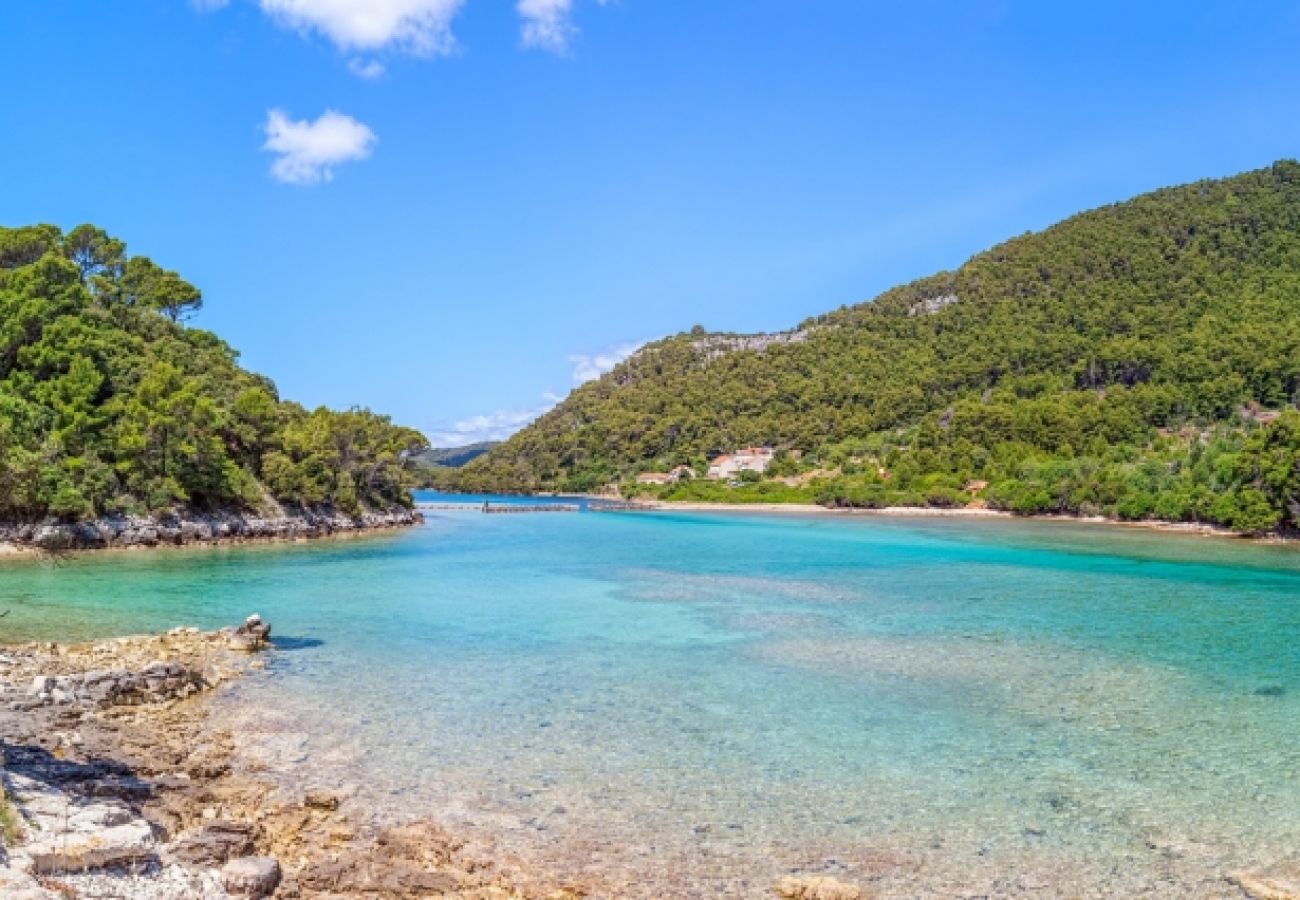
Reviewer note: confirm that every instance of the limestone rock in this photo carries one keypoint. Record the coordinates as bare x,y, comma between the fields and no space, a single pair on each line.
320,799
816,888
15,885
251,876
252,636
86,844
215,843
1278,882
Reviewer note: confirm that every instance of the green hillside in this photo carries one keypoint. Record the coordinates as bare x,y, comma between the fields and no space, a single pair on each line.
454,457
1122,362
109,404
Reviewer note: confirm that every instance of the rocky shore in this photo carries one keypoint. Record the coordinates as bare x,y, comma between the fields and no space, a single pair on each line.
118,782
183,527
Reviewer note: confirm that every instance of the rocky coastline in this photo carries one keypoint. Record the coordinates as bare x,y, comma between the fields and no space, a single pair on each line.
119,781
192,527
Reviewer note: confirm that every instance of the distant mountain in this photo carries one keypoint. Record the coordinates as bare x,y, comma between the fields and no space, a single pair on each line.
1137,360
454,457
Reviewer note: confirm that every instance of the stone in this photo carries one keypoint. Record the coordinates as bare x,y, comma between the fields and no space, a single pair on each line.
251,876
86,845
816,888
215,843
15,885
323,800
42,684
1278,882
252,636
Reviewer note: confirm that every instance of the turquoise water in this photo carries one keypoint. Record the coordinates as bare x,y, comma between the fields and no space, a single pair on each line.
690,704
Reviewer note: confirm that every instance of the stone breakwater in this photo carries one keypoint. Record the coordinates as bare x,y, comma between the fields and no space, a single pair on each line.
119,780
189,527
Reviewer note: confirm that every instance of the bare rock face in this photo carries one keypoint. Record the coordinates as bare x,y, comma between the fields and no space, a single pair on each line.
1279,882
251,876
816,888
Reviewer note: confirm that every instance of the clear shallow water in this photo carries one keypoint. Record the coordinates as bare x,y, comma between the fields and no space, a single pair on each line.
695,704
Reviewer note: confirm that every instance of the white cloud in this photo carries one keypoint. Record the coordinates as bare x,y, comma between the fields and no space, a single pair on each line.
499,425
369,69
546,24
589,366
308,152
495,426
421,27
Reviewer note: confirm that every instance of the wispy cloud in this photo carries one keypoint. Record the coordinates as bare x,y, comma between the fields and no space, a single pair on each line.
589,366
493,426
308,152
546,24
369,69
419,27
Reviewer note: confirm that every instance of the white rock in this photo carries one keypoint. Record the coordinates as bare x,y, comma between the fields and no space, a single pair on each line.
15,885
251,876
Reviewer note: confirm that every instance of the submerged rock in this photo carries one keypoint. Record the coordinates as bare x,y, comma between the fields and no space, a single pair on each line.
1278,882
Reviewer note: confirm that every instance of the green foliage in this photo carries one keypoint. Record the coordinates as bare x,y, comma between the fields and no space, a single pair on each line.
1100,367
108,404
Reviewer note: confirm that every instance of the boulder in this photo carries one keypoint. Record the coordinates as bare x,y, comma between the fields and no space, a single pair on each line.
215,843
253,635
816,888
251,876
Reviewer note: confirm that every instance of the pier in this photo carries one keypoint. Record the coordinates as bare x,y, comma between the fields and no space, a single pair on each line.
491,508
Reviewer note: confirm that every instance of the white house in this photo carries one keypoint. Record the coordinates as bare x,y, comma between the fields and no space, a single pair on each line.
751,459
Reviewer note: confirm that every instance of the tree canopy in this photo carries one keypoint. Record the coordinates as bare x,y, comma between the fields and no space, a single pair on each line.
109,404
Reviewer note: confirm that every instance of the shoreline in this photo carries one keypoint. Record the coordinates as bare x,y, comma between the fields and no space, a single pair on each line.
1203,529
121,775
187,529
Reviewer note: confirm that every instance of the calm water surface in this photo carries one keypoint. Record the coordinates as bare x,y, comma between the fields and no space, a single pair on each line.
694,704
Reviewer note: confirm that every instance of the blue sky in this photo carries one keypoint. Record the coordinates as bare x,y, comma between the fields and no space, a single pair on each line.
451,210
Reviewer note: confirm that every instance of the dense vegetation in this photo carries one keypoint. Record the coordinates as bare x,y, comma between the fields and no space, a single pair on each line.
109,404
1130,361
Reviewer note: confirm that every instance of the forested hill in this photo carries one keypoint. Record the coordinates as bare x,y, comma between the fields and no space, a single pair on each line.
1125,361
109,404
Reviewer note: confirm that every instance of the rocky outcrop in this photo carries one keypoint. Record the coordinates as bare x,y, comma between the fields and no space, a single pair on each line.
253,635
155,683
124,783
193,527
73,834
715,345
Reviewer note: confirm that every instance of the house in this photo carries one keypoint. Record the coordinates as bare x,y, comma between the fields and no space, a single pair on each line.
751,459
654,478
681,472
